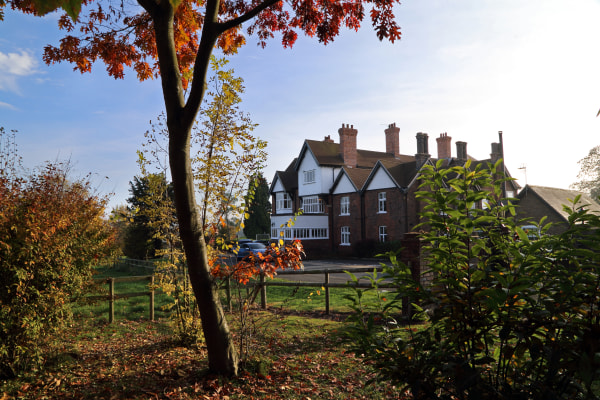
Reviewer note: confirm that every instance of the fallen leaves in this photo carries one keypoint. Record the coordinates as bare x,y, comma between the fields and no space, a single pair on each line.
140,361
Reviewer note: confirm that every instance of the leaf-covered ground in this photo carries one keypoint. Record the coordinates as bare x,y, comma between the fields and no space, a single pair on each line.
292,357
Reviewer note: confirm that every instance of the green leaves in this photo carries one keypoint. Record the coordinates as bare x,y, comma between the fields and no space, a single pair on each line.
71,7
506,311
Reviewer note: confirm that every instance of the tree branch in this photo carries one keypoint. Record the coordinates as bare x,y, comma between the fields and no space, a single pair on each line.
210,33
224,26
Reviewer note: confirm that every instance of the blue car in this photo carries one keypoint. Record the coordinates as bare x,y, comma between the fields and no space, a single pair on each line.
252,247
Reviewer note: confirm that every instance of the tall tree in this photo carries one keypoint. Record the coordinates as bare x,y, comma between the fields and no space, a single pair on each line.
258,218
589,174
174,40
147,191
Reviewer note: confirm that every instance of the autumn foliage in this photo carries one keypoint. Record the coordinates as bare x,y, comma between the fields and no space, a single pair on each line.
174,40
51,234
288,256
123,35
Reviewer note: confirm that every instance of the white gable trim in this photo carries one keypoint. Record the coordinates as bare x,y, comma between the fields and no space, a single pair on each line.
380,180
344,185
278,187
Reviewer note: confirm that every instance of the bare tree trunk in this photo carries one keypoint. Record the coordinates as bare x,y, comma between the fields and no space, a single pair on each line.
222,356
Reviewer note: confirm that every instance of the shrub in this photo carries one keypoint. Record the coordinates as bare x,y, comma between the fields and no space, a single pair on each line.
507,317
52,233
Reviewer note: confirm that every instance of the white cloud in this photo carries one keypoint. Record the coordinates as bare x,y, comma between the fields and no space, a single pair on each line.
13,66
6,105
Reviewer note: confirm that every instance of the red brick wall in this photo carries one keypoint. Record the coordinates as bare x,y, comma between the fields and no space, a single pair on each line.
393,218
353,221
533,207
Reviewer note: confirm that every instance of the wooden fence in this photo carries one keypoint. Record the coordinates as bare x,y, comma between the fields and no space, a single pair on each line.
262,282
325,283
112,296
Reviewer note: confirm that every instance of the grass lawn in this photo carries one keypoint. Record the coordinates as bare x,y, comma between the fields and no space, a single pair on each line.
293,352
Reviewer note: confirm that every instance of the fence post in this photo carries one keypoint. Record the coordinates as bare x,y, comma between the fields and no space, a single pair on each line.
152,298
111,307
326,292
228,292
263,292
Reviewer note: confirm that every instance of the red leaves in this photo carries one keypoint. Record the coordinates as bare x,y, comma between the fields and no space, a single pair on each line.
275,258
122,39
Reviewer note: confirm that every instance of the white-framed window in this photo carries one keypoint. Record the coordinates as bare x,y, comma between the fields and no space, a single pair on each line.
283,201
345,205
309,176
302,233
274,232
312,205
485,204
345,239
381,202
319,233
383,236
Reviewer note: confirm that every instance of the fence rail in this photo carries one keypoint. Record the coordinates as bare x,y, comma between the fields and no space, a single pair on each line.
262,283
325,284
112,296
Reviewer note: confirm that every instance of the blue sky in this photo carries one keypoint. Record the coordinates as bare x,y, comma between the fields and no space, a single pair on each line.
467,67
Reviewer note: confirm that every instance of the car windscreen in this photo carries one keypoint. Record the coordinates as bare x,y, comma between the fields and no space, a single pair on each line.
256,246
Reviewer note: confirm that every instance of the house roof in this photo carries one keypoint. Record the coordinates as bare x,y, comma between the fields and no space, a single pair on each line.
288,179
403,173
357,176
329,154
555,198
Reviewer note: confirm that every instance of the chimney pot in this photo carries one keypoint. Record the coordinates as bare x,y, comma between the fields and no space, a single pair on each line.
461,151
348,145
392,140
444,146
422,149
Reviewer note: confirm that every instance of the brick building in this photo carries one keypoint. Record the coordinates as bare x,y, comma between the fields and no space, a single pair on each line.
536,202
350,196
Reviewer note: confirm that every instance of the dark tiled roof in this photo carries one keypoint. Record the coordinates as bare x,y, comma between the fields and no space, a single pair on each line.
328,154
402,172
555,198
289,180
358,176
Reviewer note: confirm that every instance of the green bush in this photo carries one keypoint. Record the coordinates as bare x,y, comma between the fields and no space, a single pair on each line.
507,317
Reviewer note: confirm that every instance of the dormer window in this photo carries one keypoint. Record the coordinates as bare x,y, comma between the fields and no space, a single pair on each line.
309,176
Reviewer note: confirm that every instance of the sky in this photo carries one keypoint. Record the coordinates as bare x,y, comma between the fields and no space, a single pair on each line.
468,68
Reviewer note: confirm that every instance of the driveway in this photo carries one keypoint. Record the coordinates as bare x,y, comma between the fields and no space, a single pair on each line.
340,277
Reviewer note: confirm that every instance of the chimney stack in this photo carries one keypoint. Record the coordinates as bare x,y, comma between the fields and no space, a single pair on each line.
422,149
348,145
444,146
496,152
328,139
461,151
392,140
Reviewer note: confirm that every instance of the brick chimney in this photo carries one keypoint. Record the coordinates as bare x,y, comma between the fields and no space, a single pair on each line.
461,151
348,144
328,139
422,149
392,140
496,152
444,146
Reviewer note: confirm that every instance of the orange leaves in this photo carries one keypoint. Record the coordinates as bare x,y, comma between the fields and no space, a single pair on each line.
267,264
124,37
